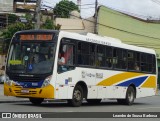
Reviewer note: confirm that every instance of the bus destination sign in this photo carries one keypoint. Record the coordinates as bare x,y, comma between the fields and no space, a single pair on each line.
40,37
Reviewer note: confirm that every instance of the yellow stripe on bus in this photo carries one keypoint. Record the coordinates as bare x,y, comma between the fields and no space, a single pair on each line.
150,82
118,78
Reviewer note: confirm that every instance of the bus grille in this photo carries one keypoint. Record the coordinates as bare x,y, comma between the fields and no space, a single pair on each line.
26,79
18,91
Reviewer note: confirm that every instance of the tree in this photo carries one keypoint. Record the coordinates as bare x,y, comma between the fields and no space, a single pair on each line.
48,24
64,7
12,18
11,30
29,17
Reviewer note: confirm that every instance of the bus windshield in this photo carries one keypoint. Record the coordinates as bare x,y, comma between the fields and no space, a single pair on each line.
31,57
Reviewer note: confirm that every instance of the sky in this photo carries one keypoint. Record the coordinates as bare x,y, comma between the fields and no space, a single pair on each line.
140,8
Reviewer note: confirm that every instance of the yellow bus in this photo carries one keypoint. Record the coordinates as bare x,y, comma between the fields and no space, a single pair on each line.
93,68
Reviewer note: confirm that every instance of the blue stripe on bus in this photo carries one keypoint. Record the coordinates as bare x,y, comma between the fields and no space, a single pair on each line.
136,81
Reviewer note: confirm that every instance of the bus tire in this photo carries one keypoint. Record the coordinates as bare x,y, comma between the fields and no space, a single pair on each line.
130,96
77,97
94,101
36,101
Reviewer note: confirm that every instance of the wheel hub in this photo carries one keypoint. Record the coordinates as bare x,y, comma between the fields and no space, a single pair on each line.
77,95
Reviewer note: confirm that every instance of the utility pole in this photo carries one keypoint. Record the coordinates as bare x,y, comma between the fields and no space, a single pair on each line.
96,14
37,17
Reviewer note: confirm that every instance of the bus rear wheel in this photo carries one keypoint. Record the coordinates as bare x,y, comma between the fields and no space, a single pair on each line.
94,101
130,96
77,97
36,101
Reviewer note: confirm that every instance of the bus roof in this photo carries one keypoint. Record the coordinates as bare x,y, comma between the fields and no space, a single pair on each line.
37,31
94,39
109,40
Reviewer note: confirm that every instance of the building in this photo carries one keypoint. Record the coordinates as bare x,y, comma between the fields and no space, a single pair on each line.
76,24
6,5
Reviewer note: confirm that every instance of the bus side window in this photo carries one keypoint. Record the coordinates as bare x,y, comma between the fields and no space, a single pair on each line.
115,57
109,54
83,53
100,61
131,61
66,58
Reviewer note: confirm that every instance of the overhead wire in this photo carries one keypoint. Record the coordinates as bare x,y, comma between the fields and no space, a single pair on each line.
157,39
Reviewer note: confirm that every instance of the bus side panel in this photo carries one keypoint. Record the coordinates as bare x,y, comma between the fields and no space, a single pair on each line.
115,92
67,81
144,92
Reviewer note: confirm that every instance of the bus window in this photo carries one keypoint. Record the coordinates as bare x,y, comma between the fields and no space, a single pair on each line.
69,55
154,64
66,57
131,61
150,61
109,54
119,58
144,67
137,61
92,54
100,59
83,53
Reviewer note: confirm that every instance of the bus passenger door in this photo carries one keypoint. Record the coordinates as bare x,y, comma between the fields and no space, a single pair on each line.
65,70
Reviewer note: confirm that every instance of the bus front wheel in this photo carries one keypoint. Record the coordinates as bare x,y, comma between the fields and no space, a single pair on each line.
77,97
36,101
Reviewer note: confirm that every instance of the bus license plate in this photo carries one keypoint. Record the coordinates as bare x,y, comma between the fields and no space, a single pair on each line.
25,91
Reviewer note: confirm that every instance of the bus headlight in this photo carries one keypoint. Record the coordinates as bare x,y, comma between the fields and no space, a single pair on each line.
8,81
46,81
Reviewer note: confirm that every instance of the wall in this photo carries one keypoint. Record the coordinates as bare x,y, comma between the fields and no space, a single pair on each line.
6,5
129,29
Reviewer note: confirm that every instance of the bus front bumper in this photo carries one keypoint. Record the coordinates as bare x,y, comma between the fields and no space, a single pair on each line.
18,91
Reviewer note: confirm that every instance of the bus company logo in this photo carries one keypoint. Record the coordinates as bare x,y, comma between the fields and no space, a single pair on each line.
85,74
25,85
6,115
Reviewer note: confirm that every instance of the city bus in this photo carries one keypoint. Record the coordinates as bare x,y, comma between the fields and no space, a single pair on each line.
94,68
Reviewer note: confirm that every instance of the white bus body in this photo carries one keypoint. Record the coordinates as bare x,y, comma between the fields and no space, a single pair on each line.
98,82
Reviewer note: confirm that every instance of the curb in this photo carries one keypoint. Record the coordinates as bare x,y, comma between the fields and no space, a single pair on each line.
15,101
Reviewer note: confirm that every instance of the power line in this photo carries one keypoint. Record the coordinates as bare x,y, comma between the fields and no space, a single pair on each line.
88,8
157,39
87,4
133,14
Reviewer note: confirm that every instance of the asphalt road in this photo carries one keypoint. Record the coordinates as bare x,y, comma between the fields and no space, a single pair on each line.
148,104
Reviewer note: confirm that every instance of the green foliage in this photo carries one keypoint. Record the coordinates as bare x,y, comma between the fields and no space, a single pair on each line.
13,28
64,7
28,17
12,18
48,24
